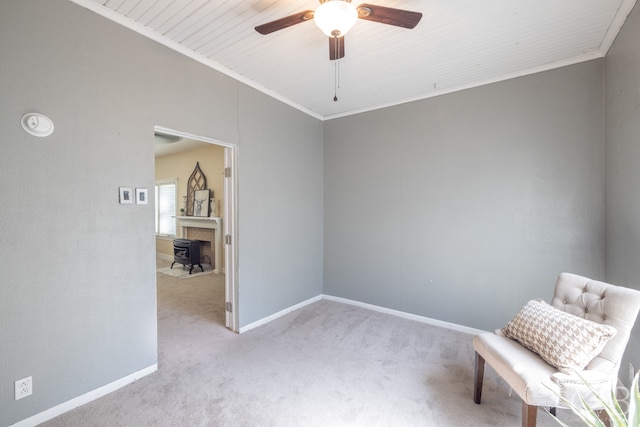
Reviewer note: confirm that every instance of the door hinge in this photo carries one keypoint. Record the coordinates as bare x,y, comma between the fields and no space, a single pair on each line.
227,172
227,239
229,307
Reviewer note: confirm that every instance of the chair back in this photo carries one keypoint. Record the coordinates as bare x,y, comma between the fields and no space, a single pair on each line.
602,303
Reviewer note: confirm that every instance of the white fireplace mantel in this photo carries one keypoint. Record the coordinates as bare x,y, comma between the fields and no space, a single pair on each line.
199,221
205,222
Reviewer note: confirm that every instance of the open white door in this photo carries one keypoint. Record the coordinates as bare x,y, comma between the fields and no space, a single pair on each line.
230,238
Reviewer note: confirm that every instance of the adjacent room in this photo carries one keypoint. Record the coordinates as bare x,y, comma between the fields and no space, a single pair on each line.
473,154
189,178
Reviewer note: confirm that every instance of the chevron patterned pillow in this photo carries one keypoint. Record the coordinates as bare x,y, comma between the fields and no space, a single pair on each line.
563,340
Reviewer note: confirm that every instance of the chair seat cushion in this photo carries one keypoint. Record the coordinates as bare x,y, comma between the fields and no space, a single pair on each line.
563,340
525,371
534,380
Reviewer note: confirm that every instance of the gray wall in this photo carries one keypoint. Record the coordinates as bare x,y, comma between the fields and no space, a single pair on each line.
280,207
622,165
77,289
463,207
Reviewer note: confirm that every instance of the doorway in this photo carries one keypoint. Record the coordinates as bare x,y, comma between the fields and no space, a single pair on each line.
172,141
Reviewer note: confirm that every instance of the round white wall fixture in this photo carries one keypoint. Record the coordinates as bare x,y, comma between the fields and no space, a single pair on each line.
37,124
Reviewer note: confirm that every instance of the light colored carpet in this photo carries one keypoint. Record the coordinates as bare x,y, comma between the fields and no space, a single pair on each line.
327,364
182,272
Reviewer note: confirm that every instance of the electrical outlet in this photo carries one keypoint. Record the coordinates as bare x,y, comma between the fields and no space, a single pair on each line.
24,387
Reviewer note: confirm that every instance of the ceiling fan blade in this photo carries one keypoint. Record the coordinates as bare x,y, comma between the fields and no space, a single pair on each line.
388,15
336,48
285,22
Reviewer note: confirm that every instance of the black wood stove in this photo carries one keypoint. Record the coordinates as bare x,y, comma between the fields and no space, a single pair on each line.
186,252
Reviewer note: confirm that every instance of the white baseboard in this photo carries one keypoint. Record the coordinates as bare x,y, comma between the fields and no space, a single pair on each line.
404,315
268,319
85,398
417,318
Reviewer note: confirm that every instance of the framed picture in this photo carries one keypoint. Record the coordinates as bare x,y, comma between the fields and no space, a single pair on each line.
142,196
201,203
126,195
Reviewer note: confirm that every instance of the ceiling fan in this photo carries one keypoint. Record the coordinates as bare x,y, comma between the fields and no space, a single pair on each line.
336,17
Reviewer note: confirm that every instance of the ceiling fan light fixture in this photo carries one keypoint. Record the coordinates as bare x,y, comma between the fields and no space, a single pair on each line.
335,17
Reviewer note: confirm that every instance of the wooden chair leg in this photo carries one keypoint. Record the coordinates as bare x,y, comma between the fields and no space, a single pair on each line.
478,378
529,415
604,417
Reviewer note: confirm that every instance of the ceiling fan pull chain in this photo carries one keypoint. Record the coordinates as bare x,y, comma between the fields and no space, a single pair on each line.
336,72
335,82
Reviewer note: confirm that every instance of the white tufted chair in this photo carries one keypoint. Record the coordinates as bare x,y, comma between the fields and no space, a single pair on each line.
529,375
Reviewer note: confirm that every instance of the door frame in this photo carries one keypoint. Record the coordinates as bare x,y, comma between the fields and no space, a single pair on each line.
230,223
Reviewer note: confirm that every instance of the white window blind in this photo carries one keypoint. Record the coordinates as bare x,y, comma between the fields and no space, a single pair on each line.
166,209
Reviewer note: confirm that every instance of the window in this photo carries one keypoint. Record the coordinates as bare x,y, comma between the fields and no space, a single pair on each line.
166,208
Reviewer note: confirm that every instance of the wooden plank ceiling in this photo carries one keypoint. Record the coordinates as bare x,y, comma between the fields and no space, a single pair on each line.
458,44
